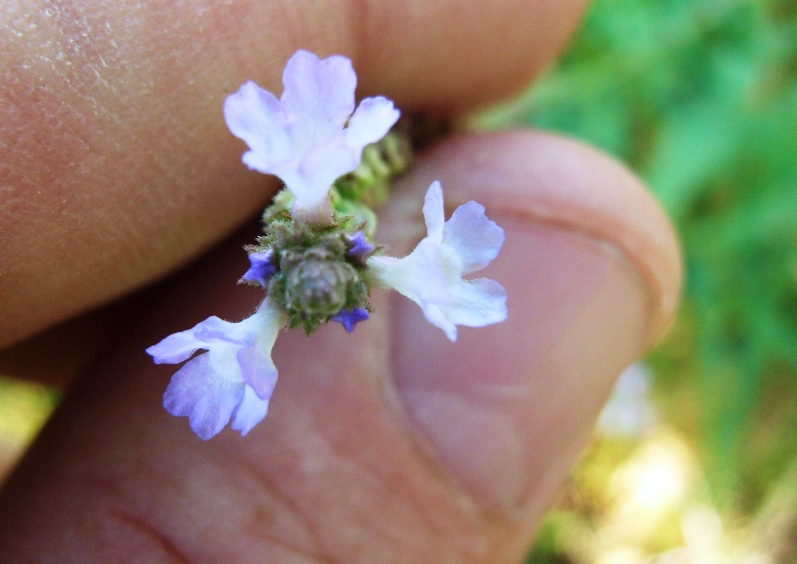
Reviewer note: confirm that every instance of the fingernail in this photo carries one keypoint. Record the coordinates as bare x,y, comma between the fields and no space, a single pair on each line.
506,409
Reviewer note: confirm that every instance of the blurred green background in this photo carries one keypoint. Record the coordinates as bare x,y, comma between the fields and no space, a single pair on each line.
699,97
695,458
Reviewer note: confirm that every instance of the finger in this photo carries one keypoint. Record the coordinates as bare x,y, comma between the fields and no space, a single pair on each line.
117,166
388,445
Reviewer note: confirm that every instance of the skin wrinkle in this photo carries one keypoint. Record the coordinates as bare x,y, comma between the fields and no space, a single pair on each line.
262,477
157,537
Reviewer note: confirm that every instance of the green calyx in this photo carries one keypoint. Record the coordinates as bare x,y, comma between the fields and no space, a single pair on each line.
316,274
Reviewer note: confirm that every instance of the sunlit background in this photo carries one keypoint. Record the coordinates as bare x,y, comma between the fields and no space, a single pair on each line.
694,459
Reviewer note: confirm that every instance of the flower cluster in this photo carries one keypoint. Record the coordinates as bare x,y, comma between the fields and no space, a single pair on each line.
316,260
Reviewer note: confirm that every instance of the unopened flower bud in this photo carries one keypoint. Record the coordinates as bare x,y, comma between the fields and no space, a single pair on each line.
319,287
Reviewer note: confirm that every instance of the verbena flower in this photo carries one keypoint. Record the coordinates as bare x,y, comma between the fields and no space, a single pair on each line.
261,267
312,135
431,275
232,380
350,317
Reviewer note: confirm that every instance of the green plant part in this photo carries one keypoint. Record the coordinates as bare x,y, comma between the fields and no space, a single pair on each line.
316,274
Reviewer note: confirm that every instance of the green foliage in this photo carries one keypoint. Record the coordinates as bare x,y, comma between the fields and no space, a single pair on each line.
700,98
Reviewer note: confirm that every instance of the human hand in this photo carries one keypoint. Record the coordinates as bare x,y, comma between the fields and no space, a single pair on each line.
389,444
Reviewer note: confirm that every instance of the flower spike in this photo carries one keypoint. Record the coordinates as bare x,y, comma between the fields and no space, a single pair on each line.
317,260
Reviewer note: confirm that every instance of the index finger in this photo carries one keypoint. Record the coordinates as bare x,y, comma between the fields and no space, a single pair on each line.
116,165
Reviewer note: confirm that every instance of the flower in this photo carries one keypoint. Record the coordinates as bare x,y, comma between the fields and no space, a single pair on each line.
359,247
261,267
350,317
233,380
431,275
301,137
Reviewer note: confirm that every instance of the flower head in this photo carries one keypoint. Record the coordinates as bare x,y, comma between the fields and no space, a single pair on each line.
431,275
312,135
234,379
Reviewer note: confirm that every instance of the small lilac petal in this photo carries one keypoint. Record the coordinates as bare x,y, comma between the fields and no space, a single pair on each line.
205,394
175,348
433,212
215,331
250,411
360,248
210,388
350,317
262,267
318,93
477,303
371,121
473,238
255,116
435,315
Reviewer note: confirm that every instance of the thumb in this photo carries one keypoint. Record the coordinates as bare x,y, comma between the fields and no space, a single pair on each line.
388,445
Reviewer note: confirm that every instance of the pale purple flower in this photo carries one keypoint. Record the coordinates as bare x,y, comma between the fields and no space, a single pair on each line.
350,317
312,135
234,379
359,247
431,275
261,267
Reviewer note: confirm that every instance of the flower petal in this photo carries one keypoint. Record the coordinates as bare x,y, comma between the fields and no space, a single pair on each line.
255,116
477,303
474,239
418,276
433,212
318,96
371,121
249,412
431,275
204,391
214,330
176,348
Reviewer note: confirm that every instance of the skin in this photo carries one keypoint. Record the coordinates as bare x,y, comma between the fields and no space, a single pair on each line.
388,445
